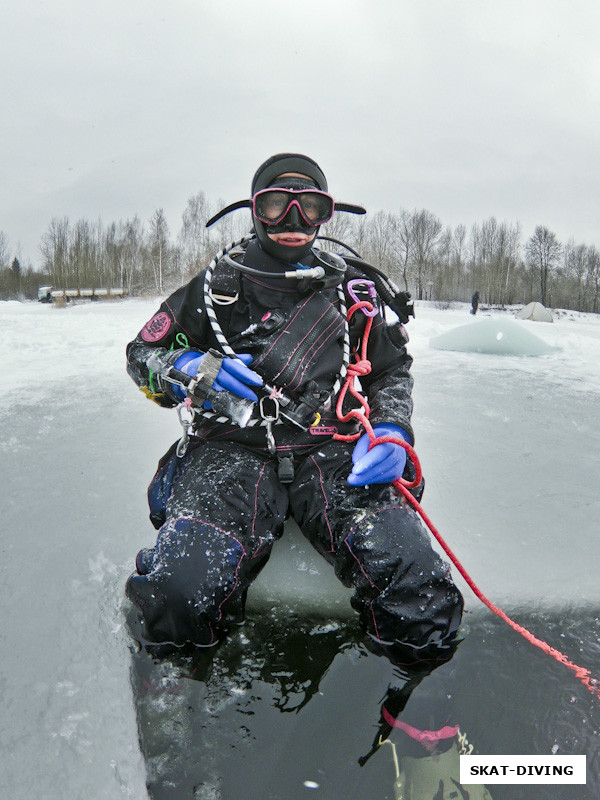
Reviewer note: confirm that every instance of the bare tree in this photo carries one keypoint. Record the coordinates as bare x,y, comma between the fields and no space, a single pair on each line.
360,235
228,229
576,267
339,227
511,249
593,275
459,239
83,256
193,236
378,244
4,251
442,274
403,241
425,231
131,240
542,252
495,249
158,247
55,251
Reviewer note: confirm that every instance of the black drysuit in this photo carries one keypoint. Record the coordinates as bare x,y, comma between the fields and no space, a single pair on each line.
220,507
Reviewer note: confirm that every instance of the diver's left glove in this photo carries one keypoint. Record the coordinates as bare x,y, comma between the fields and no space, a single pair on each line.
384,463
233,376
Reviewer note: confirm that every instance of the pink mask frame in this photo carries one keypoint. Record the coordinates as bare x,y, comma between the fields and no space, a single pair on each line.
294,200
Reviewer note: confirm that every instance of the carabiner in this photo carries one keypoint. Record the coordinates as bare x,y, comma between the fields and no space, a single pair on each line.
372,294
269,419
186,424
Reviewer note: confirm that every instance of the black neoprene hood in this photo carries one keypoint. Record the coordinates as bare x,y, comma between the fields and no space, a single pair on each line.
287,162
266,175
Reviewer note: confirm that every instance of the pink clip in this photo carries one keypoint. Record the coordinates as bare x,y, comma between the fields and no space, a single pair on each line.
372,294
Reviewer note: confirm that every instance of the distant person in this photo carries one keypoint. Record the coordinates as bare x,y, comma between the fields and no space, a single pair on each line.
474,303
277,302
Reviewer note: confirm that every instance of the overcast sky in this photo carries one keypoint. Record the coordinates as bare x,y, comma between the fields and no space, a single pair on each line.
469,108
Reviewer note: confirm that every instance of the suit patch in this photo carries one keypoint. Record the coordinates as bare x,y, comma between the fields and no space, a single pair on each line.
157,327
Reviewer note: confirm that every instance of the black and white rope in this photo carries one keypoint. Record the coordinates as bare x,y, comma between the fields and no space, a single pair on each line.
208,301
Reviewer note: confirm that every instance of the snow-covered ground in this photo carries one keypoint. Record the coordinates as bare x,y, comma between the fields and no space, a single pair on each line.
509,447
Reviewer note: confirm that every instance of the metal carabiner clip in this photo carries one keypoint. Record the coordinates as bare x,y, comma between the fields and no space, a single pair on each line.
186,424
269,420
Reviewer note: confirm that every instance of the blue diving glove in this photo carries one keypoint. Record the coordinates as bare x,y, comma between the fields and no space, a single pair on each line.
234,375
384,463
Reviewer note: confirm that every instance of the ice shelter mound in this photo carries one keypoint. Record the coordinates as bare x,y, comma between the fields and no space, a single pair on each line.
496,336
535,312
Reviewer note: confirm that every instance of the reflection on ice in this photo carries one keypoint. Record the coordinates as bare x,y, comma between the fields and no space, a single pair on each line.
494,335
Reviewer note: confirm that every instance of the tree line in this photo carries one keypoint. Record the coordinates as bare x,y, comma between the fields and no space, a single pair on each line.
419,253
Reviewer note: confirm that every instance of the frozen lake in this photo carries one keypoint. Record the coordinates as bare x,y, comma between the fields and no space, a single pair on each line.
509,447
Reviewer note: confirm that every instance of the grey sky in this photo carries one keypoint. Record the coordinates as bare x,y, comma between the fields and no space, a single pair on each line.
469,108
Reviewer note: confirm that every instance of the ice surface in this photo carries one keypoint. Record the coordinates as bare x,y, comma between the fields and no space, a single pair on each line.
509,450
495,335
295,577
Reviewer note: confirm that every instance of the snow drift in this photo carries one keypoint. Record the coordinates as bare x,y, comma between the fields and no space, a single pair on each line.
494,335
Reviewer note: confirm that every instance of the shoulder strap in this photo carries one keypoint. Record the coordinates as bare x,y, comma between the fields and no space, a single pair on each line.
224,286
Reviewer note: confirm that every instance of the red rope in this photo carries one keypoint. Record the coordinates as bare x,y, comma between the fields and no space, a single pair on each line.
363,367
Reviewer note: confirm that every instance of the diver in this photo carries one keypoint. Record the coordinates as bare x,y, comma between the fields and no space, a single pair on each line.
256,348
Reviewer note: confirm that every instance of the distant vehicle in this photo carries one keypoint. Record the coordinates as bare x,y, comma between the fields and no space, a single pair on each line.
47,294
